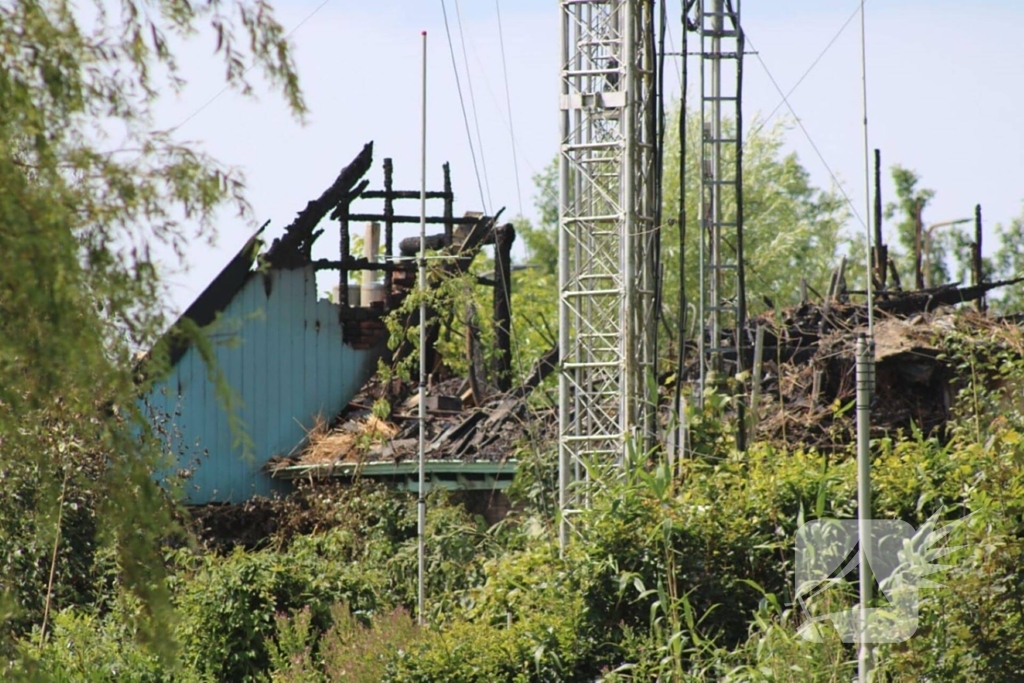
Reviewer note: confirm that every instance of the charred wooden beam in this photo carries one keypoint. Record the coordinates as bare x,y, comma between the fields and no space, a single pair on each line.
389,227
293,249
978,265
929,299
431,220
544,366
504,236
363,264
410,246
881,252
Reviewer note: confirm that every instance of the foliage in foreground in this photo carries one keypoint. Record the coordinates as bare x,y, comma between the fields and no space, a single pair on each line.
89,190
674,574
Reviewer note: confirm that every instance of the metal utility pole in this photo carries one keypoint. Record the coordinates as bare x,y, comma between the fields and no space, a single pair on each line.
722,301
606,238
421,502
865,352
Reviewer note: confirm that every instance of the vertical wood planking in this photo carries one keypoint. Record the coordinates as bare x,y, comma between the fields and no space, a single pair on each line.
282,369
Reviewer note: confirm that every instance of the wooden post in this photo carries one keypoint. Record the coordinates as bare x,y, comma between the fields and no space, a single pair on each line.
918,248
881,252
504,236
449,200
389,230
755,389
343,212
978,264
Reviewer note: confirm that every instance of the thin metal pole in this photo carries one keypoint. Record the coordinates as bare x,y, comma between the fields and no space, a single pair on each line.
630,383
865,350
717,24
421,503
867,172
702,221
564,397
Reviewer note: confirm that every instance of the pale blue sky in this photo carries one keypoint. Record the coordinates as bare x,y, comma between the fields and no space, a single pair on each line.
943,78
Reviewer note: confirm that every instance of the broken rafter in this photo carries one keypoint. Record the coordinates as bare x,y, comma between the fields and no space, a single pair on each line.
295,247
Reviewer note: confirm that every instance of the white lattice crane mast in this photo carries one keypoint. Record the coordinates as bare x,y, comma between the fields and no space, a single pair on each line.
607,239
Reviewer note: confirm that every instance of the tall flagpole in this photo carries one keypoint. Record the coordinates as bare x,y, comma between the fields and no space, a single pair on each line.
421,502
865,369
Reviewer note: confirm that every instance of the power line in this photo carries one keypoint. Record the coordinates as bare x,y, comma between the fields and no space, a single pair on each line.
462,104
497,104
508,103
806,73
807,134
251,67
472,102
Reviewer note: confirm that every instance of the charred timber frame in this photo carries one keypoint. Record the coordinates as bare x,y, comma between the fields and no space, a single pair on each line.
343,213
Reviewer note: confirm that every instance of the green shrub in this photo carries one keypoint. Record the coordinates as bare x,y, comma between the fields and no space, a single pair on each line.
84,647
229,606
538,647
352,651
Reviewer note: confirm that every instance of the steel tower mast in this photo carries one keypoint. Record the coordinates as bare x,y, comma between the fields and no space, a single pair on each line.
607,238
722,304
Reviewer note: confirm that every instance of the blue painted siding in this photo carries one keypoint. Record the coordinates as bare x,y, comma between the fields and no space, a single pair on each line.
284,359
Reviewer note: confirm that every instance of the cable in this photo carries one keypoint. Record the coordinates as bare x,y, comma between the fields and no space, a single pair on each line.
508,103
472,103
672,49
807,72
800,123
462,104
251,67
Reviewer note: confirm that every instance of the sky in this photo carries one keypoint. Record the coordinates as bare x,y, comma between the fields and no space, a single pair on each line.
941,79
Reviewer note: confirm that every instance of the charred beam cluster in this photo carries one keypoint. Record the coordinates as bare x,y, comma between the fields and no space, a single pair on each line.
461,238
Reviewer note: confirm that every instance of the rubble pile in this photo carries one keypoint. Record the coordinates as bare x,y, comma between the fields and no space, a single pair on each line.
808,386
456,430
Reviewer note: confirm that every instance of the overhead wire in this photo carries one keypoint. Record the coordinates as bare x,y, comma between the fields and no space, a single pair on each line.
803,129
508,104
514,342
472,103
497,104
250,68
807,72
462,104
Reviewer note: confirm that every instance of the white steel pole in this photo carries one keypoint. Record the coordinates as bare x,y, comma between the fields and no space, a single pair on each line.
867,175
564,396
865,352
421,502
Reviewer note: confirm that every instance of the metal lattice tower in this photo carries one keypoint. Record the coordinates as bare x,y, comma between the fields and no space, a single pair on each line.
607,237
722,306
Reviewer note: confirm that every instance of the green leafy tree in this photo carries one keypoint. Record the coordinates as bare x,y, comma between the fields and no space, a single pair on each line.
791,231
791,228
1008,263
912,234
88,188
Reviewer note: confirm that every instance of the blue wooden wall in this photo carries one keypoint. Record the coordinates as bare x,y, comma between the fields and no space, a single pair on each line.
282,355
